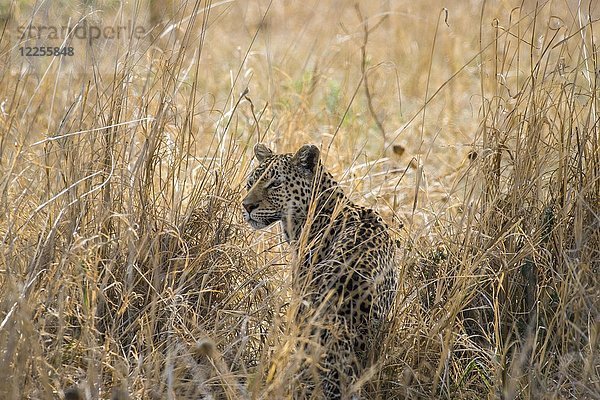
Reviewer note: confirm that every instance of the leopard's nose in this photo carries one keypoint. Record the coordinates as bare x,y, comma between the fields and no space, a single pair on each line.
249,205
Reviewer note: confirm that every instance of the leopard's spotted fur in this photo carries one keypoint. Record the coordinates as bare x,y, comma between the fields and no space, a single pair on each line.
345,258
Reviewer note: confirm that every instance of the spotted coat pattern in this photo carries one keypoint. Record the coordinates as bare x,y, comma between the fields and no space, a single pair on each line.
345,268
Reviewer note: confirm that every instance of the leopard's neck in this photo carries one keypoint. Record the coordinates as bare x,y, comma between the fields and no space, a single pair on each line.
327,198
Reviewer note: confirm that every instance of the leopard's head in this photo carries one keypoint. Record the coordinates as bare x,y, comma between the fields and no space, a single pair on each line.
280,187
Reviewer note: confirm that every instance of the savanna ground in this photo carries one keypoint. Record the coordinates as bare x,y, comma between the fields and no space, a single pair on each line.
125,263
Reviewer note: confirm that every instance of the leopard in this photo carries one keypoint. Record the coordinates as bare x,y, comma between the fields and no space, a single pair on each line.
344,255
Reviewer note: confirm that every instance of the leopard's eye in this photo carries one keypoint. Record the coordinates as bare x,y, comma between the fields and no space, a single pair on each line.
273,184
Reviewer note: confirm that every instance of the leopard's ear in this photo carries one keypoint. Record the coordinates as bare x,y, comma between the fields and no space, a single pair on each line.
262,152
307,157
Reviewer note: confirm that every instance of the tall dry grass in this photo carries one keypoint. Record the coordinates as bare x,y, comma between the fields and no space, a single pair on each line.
124,261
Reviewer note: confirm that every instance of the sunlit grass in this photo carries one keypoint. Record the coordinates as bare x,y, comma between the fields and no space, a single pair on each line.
125,263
